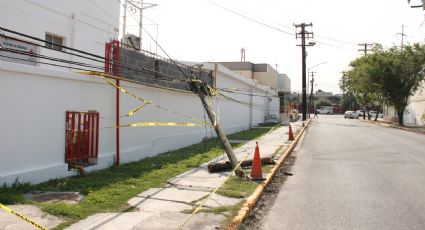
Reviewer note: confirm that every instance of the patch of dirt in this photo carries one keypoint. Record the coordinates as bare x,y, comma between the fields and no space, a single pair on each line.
252,221
55,197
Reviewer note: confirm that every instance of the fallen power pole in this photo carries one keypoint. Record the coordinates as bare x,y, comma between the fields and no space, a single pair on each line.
204,91
224,166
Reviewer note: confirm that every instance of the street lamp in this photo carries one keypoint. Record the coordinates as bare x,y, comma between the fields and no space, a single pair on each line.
308,71
308,85
316,65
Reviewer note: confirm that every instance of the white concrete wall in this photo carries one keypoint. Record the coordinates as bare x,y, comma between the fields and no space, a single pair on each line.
416,108
34,101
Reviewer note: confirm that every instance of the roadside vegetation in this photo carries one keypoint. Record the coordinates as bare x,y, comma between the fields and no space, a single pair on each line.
108,190
386,76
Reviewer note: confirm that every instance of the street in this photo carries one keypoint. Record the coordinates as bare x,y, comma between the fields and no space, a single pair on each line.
351,174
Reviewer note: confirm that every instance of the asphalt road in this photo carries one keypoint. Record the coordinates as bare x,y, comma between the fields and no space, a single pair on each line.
351,174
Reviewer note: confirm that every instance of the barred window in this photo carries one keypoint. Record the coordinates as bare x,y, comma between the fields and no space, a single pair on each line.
54,39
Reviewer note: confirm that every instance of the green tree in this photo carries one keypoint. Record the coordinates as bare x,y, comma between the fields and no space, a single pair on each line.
391,75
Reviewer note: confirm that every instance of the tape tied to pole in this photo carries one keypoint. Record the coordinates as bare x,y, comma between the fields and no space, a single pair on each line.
146,102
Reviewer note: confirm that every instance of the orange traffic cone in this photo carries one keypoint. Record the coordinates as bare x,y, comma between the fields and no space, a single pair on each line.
256,171
290,134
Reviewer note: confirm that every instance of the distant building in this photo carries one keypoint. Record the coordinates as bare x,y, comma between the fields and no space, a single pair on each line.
284,83
263,73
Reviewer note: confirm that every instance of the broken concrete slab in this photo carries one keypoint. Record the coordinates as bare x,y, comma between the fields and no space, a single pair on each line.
11,222
146,204
219,201
200,177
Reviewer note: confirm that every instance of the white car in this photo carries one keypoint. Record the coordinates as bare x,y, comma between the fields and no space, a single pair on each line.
351,115
324,111
360,112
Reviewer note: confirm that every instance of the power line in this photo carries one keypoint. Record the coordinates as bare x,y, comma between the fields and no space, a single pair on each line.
277,29
248,18
146,75
248,94
51,43
124,69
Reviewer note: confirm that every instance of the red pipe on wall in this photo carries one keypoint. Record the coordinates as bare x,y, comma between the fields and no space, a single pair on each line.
117,124
116,71
112,66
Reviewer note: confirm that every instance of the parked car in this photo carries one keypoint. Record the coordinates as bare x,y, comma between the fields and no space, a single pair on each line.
360,112
325,111
351,115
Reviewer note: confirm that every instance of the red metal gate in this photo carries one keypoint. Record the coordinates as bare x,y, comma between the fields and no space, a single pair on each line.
82,138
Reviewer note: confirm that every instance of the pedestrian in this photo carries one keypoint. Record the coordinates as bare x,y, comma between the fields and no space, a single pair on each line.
315,114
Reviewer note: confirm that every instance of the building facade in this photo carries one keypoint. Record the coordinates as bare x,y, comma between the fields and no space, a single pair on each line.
264,74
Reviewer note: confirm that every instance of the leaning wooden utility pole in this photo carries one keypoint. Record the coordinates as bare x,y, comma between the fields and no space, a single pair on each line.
203,91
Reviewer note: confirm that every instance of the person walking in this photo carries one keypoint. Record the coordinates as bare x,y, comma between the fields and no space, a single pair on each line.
315,114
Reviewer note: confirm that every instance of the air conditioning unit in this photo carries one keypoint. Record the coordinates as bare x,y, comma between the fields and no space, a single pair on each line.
131,41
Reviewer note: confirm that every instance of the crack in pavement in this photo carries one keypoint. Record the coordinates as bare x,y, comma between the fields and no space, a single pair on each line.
188,187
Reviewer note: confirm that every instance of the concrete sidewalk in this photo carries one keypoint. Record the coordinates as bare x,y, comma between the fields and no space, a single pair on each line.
170,206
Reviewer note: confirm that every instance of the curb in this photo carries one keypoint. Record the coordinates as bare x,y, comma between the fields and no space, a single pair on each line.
393,126
253,198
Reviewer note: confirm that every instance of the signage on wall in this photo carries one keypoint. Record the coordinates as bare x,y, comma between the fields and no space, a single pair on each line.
23,52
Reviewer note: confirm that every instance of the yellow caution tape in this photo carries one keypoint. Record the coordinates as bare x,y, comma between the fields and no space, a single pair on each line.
134,111
212,91
22,217
152,124
105,77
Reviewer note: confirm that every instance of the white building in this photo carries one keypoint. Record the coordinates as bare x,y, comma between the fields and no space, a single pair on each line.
415,111
82,24
35,97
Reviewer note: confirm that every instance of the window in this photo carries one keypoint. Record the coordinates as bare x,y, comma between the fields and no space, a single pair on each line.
54,39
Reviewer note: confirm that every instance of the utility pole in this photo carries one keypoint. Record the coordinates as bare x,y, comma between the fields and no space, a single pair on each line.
402,36
311,92
303,34
365,48
124,20
203,91
140,7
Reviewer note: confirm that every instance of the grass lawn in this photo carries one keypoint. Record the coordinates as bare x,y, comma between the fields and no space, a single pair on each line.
253,133
109,190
